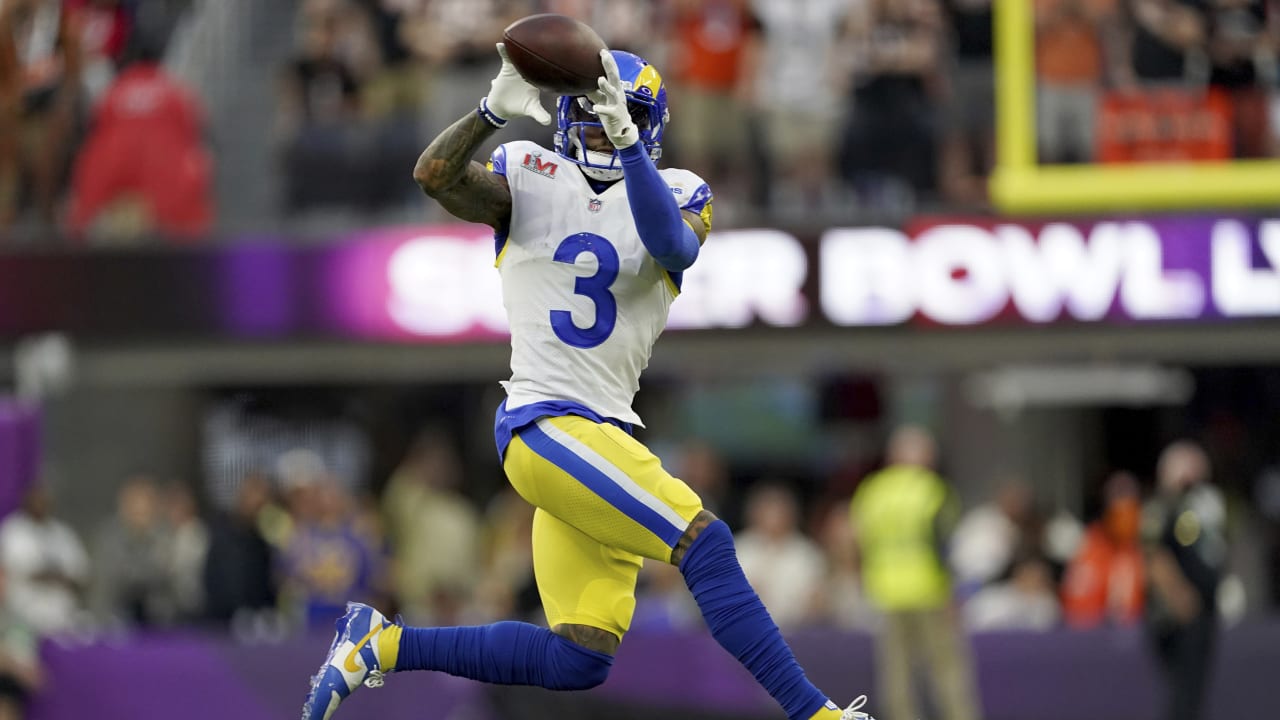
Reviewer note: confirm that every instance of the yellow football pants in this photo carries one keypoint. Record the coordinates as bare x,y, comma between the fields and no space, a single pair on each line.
604,503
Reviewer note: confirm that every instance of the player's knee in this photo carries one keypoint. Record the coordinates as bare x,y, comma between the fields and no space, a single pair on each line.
590,674
577,667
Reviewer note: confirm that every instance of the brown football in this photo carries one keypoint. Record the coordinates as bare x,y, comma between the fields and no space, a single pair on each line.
555,53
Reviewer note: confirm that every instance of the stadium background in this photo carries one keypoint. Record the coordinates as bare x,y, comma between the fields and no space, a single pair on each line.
269,322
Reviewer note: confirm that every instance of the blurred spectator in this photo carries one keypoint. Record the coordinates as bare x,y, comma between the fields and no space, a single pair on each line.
455,38
1183,534
852,409
968,140
1164,110
238,575
20,670
330,559
712,66
897,43
1027,600
46,566
622,24
1168,42
131,558
1071,56
104,28
434,530
1266,498
398,86
1243,65
841,602
324,152
705,470
144,169
785,567
40,94
347,116
506,588
989,535
355,40
321,85
10,120
903,516
1060,534
663,602
189,545
800,60
1103,584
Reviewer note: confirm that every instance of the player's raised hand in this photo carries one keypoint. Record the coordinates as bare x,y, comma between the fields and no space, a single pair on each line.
511,96
610,104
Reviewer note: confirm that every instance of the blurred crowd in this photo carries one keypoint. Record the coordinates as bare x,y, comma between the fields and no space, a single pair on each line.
297,539
1156,79
97,140
291,541
820,108
833,110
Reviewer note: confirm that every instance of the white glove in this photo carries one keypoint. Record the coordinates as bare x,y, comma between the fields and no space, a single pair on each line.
610,104
511,96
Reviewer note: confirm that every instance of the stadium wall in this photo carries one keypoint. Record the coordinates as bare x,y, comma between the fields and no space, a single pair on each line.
1060,675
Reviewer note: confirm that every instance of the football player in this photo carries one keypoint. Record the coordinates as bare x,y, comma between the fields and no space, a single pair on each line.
591,241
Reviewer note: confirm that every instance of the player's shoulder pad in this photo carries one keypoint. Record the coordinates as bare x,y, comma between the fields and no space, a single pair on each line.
515,149
497,163
691,192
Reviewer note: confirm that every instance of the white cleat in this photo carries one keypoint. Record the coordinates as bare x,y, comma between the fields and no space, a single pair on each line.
353,660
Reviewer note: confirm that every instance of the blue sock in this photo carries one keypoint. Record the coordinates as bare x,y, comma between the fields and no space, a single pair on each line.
505,653
739,622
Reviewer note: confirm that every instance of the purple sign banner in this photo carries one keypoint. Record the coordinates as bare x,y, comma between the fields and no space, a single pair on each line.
1058,675
440,284
20,450
964,272
437,284
407,283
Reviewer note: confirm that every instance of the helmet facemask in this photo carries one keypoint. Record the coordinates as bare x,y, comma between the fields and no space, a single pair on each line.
576,116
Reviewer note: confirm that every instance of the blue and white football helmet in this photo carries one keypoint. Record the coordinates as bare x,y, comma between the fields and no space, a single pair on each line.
647,101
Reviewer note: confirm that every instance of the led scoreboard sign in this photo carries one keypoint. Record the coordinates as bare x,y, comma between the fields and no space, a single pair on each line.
438,284
1125,271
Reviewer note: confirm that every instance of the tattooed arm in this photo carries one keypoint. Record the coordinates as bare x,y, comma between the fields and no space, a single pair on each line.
446,172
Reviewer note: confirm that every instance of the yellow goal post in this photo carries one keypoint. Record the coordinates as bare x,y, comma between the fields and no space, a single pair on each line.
1019,184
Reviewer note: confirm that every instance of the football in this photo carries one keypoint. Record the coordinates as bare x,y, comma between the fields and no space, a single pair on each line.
555,53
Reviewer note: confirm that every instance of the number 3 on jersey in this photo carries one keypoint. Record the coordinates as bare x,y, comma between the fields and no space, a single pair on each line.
594,287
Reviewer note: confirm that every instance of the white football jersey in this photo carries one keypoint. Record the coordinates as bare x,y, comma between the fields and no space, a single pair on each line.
585,299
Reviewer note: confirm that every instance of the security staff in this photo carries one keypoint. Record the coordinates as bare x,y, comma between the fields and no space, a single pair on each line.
902,517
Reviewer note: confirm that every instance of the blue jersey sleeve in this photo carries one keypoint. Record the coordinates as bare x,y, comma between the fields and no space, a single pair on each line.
662,229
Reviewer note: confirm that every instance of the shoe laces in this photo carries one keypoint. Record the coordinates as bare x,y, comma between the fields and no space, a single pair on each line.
852,713
378,678
375,679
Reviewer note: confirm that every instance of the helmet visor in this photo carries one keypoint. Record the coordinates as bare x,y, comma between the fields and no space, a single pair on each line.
582,110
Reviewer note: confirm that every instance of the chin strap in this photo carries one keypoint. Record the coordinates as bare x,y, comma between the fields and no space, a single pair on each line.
603,174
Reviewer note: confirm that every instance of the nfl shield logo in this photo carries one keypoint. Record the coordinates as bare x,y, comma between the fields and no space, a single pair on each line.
594,205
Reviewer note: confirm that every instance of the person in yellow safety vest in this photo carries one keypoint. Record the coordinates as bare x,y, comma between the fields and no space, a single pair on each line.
902,516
